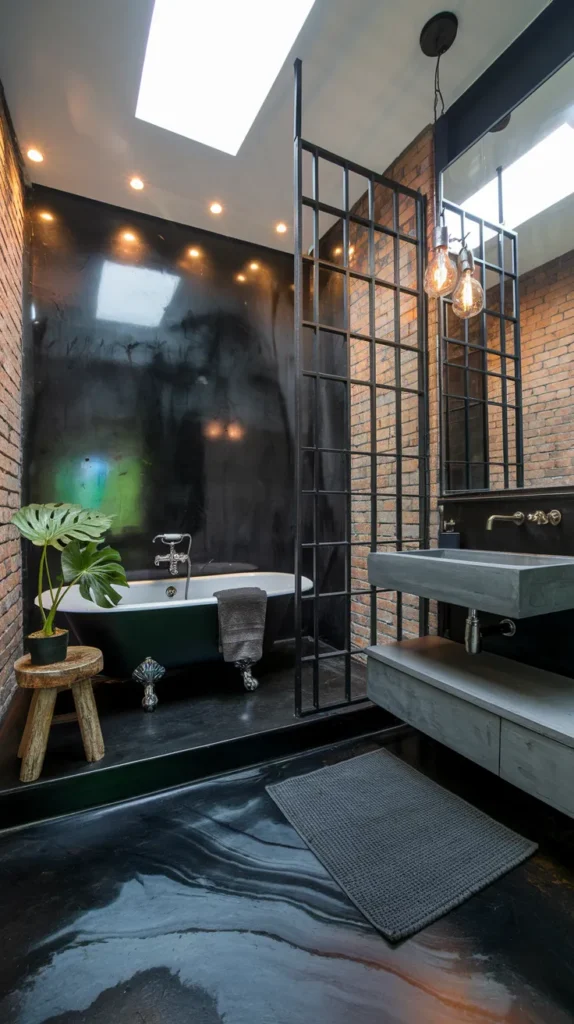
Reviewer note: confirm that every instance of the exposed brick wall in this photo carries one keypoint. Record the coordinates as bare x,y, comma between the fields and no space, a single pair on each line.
547,345
11,260
415,169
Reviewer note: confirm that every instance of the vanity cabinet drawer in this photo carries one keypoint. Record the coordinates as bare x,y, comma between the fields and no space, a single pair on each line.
539,765
470,730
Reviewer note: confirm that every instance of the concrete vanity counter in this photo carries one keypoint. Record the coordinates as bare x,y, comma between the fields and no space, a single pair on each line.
515,720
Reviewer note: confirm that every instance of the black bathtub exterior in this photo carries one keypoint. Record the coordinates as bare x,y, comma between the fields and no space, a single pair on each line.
173,636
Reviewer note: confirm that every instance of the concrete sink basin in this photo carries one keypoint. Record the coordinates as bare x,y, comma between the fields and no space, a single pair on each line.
517,586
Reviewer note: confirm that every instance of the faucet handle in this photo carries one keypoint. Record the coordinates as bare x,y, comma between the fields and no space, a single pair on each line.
542,518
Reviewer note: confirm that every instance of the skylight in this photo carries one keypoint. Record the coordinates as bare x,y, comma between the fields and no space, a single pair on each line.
134,295
209,65
539,178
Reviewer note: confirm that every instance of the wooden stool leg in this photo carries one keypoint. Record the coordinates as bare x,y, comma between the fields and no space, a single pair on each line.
37,730
28,726
88,720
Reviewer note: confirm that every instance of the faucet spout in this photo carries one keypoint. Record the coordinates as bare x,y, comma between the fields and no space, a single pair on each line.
517,518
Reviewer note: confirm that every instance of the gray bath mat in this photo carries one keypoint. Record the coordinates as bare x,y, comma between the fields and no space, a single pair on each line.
404,849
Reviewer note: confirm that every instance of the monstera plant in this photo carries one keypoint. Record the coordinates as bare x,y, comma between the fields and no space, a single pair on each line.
77,534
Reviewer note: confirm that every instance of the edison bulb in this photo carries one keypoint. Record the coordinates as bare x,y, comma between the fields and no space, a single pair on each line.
441,273
468,296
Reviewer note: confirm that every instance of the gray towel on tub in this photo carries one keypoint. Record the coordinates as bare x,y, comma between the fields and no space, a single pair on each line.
241,622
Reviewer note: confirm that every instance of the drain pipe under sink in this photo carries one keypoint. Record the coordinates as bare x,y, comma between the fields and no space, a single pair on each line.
474,632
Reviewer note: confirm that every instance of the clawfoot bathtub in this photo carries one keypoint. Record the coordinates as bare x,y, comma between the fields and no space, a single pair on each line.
154,627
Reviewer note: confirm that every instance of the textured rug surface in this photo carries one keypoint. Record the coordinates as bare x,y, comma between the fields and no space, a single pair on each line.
404,849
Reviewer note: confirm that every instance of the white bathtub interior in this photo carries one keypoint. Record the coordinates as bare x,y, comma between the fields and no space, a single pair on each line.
153,594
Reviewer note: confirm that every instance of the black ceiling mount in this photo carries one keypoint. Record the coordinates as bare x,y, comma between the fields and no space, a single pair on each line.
439,34
502,124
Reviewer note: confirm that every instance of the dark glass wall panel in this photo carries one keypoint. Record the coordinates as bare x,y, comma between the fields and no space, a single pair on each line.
159,383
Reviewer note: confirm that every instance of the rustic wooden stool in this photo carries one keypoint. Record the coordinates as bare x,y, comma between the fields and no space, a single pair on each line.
76,672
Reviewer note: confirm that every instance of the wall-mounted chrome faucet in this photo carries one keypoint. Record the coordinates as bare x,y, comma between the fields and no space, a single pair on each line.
517,518
173,557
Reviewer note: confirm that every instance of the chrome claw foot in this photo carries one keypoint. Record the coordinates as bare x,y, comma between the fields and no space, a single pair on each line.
149,699
148,674
249,680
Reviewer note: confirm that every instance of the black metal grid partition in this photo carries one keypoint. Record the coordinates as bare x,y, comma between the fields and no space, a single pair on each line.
361,413
481,394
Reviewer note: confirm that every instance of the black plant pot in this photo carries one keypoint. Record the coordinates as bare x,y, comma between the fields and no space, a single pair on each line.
47,650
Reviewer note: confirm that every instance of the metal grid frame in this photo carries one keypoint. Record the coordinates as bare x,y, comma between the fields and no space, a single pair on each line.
313,263
475,369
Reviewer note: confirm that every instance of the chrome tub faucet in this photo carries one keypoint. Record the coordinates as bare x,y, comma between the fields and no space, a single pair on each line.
175,558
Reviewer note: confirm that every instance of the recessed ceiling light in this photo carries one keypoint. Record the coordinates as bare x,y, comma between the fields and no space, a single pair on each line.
194,253
46,216
216,208
128,236
238,48
254,266
136,183
281,228
240,277
35,155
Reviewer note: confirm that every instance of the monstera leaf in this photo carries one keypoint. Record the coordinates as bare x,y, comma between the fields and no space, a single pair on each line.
95,569
56,524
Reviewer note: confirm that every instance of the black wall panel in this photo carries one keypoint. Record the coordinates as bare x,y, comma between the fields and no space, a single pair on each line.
159,386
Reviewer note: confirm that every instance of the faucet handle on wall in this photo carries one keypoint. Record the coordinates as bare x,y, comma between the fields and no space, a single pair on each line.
542,518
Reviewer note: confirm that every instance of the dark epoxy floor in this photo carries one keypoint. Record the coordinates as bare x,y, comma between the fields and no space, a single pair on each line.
204,906
201,705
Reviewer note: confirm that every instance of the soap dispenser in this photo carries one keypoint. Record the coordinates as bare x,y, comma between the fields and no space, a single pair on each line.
447,536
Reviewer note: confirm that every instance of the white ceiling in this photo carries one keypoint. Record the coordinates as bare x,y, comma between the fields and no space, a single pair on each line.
71,72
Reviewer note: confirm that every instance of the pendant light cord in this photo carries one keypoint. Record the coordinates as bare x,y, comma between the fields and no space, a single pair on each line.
438,96
438,102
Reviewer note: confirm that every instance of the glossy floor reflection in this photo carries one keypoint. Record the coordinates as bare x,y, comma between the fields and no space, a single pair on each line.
203,905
